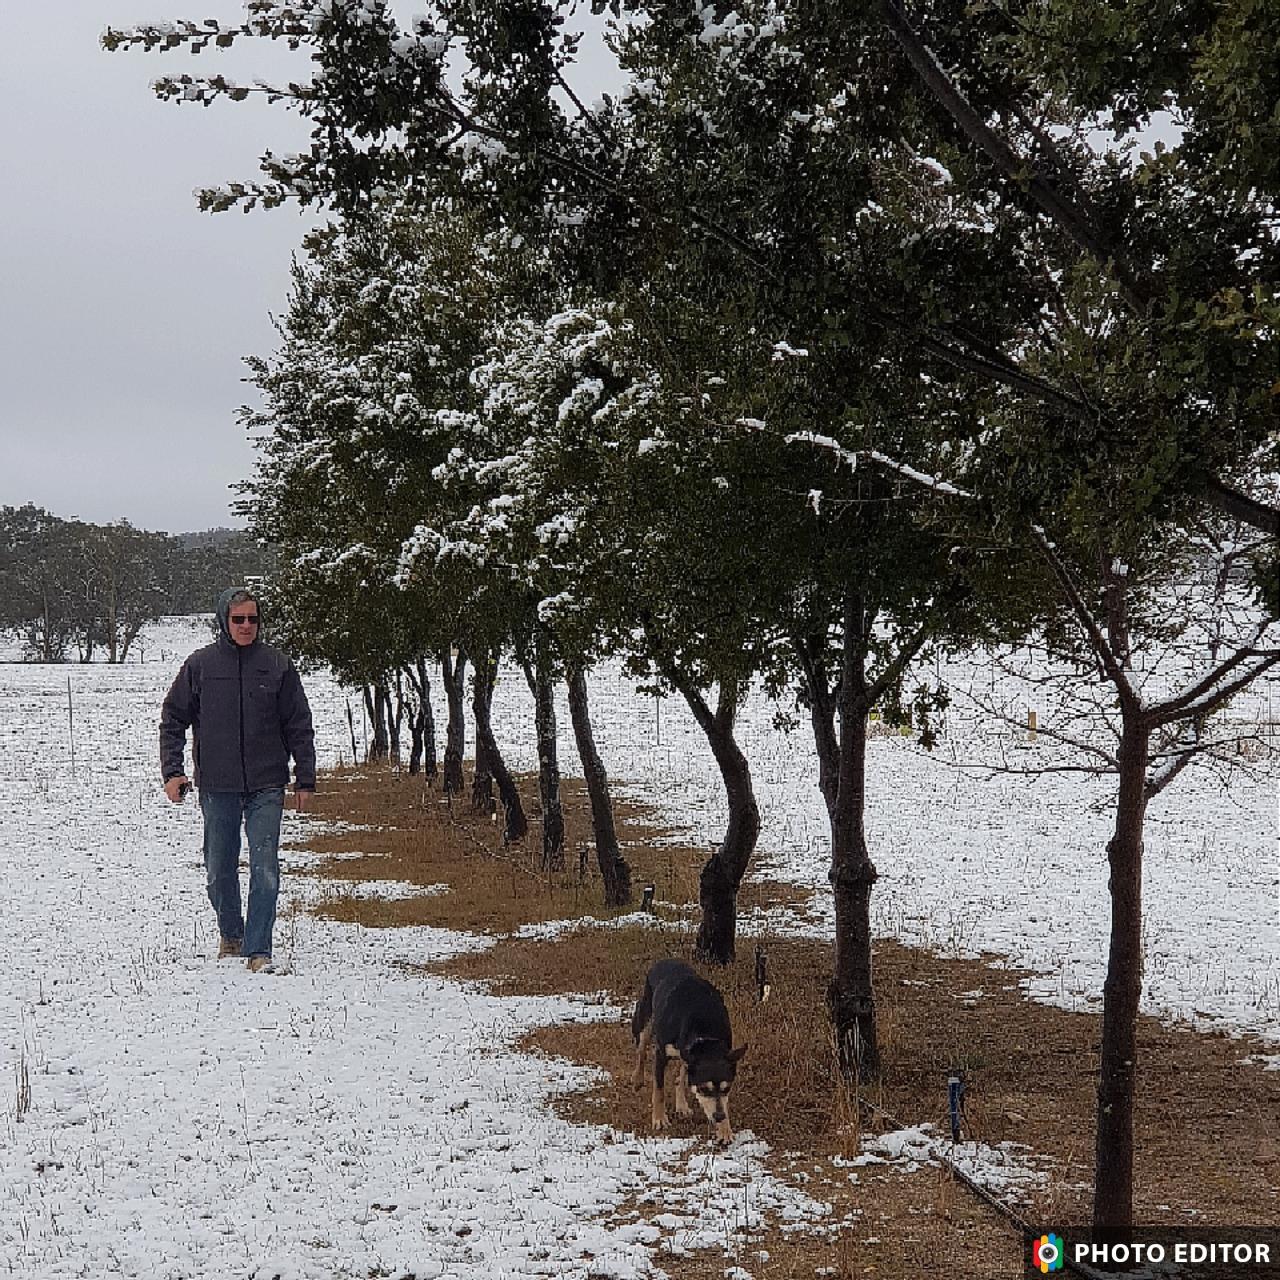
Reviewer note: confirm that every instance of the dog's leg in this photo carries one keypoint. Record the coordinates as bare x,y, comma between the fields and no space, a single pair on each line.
659,1080
642,1052
680,1072
642,1029
724,1130
644,1011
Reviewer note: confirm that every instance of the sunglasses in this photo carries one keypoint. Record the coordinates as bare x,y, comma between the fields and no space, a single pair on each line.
241,619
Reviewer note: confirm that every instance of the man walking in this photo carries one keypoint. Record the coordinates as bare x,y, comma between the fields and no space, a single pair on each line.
245,706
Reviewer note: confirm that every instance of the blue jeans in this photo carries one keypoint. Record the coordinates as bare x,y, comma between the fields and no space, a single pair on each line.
260,811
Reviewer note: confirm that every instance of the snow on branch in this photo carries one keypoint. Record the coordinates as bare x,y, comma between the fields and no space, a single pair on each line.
207,89
919,477
327,560
292,22
831,445
934,483
783,350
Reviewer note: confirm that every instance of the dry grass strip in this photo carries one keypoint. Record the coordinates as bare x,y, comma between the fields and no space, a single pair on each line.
1206,1147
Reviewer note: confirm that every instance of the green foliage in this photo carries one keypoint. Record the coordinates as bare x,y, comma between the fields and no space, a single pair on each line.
986,289
72,588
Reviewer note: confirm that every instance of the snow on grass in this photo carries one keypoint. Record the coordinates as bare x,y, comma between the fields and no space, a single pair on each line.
549,929
1003,1170
976,863
168,1115
384,890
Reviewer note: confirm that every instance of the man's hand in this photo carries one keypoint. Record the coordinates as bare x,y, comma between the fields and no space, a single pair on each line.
302,800
174,788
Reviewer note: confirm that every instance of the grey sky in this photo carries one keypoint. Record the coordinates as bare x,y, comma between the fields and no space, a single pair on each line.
124,312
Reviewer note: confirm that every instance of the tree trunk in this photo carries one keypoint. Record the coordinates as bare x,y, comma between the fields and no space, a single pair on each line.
111,624
46,640
538,675
415,739
427,722
722,875
351,724
850,996
452,674
395,716
614,871
1113,1175
369,719
822,716
483,681
129,636
414,705
1115,606
376,701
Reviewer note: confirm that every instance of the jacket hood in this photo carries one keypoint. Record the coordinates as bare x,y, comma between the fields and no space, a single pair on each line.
223,611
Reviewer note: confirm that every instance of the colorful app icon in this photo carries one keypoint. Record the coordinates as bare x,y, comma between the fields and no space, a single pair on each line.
1047,1254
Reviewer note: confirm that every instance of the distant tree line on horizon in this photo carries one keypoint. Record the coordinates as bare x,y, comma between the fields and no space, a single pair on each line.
76,591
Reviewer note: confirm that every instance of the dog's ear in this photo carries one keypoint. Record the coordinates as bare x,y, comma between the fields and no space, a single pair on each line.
735,1054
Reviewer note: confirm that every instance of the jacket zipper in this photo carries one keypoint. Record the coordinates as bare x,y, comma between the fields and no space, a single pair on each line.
244,767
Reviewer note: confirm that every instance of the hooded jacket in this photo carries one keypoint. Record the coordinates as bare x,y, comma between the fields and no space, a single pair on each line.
247,712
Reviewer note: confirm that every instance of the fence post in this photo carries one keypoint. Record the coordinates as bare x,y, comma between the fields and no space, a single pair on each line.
71,724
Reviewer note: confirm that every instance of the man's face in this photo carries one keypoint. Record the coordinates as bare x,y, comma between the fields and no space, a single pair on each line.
242,622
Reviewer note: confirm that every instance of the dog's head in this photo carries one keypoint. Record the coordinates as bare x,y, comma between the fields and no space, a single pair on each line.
711,1066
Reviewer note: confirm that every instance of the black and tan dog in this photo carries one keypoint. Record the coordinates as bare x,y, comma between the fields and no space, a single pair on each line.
683,1019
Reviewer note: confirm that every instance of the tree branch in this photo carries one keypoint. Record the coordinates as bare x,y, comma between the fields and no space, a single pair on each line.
1212,701
1239,506
1084,615
903,657
1079,223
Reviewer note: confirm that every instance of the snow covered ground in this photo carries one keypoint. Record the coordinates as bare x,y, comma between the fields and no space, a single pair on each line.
973,862
167,1116
340,1119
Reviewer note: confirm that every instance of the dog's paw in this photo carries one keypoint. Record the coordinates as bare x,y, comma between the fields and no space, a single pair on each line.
660,1123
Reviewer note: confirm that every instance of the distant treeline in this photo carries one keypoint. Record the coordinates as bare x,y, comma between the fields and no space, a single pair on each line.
76,591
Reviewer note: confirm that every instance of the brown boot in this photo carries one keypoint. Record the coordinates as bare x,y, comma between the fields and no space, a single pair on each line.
228,947
256,964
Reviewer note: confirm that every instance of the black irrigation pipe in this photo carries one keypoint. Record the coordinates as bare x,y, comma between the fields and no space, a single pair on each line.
1025,1228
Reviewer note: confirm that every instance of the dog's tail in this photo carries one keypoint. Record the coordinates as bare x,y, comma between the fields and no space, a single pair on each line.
644,1011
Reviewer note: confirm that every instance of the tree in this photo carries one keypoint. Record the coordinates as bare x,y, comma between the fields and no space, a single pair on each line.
939,207
1115,576
361,403
192,569
577,484
1011,95
122,565
36,560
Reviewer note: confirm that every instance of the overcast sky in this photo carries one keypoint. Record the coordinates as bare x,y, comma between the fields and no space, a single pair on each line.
124,312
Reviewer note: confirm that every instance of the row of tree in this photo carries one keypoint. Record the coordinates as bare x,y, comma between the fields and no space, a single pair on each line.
842,337
75,590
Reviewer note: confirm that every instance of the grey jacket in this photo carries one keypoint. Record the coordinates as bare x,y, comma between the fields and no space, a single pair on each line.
247,712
